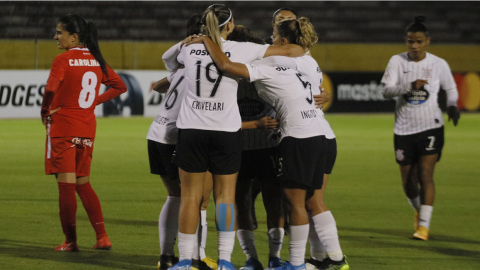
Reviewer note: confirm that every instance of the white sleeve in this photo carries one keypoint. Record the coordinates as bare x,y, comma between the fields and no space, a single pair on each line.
260,72
275,61
390,78
448,83
171,76
170,57
253,51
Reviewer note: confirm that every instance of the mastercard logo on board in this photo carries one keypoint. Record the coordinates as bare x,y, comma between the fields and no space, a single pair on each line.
468,86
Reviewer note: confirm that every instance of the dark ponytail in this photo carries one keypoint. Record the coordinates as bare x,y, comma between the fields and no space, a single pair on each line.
194,25
92,45
87,34
417,25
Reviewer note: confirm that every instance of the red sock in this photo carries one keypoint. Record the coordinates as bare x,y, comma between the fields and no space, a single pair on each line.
68,210
92,206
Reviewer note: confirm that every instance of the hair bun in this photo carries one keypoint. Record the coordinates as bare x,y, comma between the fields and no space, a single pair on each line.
419,19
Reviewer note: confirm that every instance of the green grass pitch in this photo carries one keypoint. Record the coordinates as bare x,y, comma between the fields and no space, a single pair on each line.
373,217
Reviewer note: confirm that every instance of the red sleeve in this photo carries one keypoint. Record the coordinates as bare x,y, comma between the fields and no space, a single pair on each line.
57,73
118,87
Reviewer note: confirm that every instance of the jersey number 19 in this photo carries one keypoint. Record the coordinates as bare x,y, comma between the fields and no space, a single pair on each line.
210,79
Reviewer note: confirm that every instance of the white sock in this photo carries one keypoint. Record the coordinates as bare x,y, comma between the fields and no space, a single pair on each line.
246,238
195,244
298,244
186,244
425,216
326,229
204,230
168,225
415,202
275,241
226,242
317,250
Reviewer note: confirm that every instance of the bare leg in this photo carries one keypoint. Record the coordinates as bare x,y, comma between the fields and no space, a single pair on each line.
427,166
203,226
410,181
272,200
191,192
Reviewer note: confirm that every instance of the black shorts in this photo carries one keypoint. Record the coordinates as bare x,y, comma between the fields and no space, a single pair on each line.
331,154
409,148
219,152
160,157
301,162
258,164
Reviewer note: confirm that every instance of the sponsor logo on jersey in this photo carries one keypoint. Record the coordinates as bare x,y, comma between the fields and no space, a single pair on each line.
309,114
399,155
416,97
204,52
82,142
250,108
161,120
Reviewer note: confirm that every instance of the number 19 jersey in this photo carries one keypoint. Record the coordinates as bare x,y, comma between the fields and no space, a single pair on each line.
210,101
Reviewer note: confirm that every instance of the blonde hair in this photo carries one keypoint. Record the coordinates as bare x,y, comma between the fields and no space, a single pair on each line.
211,25
309,35
300,32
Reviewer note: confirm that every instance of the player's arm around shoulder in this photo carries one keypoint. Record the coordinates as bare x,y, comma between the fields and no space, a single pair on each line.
289,50
221,60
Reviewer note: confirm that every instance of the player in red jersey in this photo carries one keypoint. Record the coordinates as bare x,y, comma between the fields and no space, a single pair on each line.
71,94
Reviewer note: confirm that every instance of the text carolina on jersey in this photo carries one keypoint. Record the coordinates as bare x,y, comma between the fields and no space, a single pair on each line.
83,63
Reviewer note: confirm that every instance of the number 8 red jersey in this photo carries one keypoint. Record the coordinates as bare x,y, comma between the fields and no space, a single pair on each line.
73,86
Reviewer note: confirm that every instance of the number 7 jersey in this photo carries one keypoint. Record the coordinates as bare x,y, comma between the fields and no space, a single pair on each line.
73,86
210,102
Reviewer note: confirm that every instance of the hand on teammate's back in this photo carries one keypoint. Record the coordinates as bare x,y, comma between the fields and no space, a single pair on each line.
193,39
453,114
321,99
267,123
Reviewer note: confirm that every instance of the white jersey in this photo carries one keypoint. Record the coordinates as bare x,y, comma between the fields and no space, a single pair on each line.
291,96
164,129
211,99
253,107
309,69
418,110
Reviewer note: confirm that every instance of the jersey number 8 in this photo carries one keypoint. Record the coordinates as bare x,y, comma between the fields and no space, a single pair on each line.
87,95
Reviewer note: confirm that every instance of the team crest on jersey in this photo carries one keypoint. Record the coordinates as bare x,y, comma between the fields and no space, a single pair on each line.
399,155
251,109
426,72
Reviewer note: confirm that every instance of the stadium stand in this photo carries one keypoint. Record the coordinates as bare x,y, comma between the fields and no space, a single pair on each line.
335,21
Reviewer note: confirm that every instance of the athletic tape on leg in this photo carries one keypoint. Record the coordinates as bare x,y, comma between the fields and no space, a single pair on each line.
221,210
